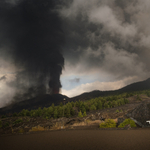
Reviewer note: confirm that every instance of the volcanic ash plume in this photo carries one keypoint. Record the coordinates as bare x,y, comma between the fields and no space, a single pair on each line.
31,33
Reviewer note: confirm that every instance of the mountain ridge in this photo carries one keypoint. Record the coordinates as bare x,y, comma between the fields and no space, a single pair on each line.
46,100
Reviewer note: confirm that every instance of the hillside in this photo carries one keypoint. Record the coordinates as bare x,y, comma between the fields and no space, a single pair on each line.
138,86
137,109
34,103
47,100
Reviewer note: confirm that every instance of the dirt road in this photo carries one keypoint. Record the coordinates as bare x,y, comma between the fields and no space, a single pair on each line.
79,140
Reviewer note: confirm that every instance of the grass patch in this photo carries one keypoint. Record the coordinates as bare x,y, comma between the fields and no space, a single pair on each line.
126,122
109,123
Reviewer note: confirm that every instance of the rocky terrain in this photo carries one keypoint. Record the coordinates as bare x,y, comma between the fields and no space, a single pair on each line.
138,110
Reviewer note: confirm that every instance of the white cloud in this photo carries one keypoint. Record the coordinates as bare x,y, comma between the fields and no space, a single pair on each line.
102,86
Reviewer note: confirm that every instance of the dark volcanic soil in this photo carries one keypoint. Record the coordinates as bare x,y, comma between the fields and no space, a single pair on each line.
79,140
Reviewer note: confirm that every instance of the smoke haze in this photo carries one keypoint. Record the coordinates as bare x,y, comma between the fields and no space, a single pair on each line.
105,45
31,36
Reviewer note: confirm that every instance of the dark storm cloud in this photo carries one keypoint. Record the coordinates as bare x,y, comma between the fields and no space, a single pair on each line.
107,36
30,30
3,78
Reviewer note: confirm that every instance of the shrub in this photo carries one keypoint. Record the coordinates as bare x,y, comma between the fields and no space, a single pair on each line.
126,122
3,116
109,123
126,101
117,111
93,107
148,94
17,121
14,114
138,98
84,114
6,124
80,114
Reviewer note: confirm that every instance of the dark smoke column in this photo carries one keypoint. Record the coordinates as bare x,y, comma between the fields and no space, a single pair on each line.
54,82
34,35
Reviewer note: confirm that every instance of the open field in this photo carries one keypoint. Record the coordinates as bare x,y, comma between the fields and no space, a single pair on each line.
138,139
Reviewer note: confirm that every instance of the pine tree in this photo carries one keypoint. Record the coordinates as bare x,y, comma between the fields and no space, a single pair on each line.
84,114
83,109
72,112
68,112
80,114
99,105
93,107
55,113
60,112
61,104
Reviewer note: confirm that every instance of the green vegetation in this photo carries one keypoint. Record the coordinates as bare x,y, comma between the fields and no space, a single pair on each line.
80,114
138,98
117,111
6,124
109,123
17,121
84,114
126,122
68,110
15,114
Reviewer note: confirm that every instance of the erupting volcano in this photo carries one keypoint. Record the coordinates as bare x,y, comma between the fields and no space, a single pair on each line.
35,38
54,83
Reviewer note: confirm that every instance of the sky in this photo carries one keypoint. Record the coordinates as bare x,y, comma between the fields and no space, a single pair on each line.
105,45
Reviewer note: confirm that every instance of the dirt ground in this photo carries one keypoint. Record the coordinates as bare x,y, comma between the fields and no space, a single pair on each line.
138,139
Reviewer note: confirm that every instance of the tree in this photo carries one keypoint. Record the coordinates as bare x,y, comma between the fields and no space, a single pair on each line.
93,107
60,112
99,105
80,114
83,109
61,104
114,104
50,110
84,114
53,105
87,107
72,112
55,113
106,105
73,104
68,112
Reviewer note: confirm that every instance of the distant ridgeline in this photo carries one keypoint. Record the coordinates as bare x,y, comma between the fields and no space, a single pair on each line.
47,100
73,108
